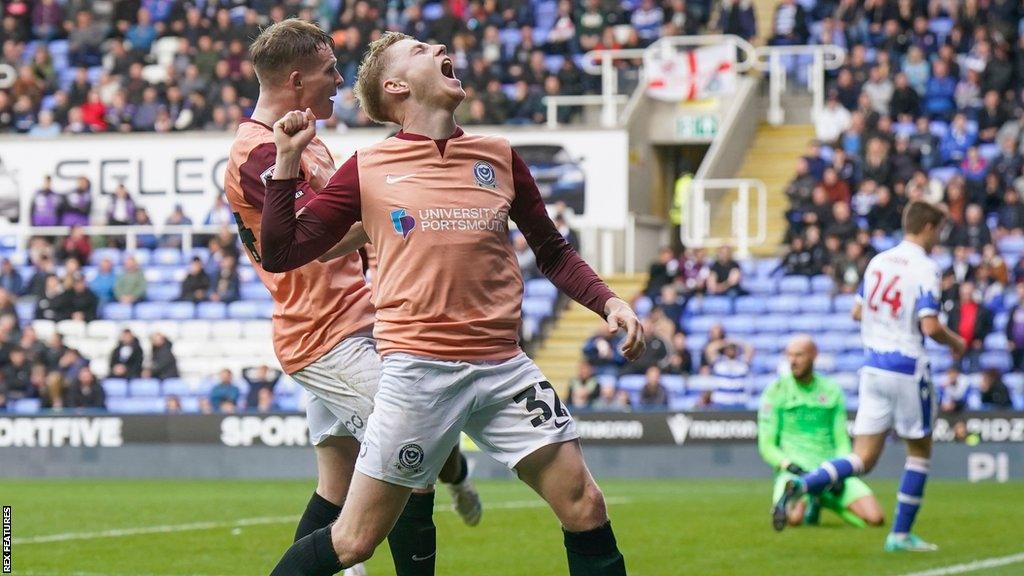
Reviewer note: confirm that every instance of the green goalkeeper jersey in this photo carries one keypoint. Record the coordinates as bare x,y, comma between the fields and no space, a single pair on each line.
805,424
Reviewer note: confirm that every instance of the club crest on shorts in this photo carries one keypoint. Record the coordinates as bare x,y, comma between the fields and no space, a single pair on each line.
484,174
403,223
410,457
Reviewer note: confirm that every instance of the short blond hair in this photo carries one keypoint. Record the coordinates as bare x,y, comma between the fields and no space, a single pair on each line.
369,88
285,46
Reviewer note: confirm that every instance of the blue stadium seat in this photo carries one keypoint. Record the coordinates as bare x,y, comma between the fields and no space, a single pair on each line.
288,402
117,311
1015,382
115,387
739,325
26,310
682,403
843,303
765,266
201,253
943,173
167,257
1011,244
189,404
701,383
717,305
631,382
766,343
538,307
772,324
676,385
176,386
541,287
940,362
785,304
699,324
794,285
848,381
995,341
765,363
179,311
822,284
1000,320
136,405
100,254
150,310
26,406
144,387
693,307
247,274
759,285
849,362
212,310
162,292
751,305
762,382
643,306
834,343
996,360
816,304
243,310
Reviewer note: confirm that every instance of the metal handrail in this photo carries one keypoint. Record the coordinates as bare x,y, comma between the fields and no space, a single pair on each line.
697,232
131,232
824,57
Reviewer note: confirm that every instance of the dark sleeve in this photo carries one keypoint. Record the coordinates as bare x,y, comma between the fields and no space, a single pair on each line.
289,239
555,257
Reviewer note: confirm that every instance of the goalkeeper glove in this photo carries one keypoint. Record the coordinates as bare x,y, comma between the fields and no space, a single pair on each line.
794,469
836,488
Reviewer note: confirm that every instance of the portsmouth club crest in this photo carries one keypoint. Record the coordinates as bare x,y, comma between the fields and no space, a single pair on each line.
410,457
402,222
484,174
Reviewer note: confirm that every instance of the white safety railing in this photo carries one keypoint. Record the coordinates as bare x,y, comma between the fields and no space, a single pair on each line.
769,59
131,234
697,230
823,57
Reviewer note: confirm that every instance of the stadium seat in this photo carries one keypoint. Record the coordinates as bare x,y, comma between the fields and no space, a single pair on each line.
71,328
843,303
631,382
701,383
794,285
833,343
739,325
643,306
995,360
176,386
25,406
538,307
785,304
189,404
26,311
765,363
760,286
195,330
117,311
1000,320
212,310
290,402
254,291
751,305
848,381
179,311
162,292
772,323
674,384
995,341
541,287
115,387
101,330
227,331
136,405
822,284
766,343
257,330
682,403
243,310
150,310
144,387
816,304
717,305
849,362
46,328
762,382
699,324
101,254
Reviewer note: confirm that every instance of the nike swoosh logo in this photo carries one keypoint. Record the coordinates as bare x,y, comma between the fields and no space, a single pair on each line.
416,558
396,179
562,425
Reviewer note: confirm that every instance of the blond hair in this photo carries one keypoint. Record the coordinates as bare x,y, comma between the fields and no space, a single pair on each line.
369,89
286,46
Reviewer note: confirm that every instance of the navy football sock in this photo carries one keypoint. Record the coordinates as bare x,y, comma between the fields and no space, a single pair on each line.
413,540
594,553
319,512
311,555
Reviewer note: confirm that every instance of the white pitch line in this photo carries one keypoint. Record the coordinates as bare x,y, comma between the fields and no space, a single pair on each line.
263,520
972,566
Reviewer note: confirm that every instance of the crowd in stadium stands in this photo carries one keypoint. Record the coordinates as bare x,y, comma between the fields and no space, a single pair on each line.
162,66
928,105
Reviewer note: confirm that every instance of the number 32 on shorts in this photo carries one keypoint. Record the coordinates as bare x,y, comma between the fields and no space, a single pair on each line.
554,409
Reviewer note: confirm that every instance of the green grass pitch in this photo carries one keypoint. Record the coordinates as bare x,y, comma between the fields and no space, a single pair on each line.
664,527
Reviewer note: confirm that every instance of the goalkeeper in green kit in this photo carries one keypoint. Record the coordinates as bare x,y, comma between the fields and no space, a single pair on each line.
802,423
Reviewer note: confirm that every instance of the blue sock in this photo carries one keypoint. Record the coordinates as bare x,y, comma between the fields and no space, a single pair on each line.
831,472
908,500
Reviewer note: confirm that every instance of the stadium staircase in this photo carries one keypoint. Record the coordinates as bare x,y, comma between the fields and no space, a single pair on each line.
559,354
772,159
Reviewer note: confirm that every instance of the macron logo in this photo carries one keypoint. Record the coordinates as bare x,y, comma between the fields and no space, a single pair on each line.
396,179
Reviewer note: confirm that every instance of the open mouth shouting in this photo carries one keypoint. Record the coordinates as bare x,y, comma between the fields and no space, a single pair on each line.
448,69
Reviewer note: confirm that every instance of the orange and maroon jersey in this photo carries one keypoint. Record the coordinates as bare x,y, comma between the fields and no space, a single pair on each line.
448,284
318,304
